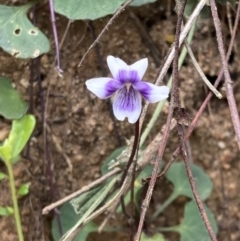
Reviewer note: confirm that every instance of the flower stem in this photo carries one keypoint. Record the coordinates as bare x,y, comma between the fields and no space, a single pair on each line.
14,200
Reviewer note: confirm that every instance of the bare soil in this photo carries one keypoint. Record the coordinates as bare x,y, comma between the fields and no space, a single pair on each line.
81,132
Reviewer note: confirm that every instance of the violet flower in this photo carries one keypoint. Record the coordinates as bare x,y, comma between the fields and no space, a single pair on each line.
127,88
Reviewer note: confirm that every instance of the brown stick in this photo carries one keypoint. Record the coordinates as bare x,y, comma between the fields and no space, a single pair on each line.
209,96
228,81
164,140
193,185
50,207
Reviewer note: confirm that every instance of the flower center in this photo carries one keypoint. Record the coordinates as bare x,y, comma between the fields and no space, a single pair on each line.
128,86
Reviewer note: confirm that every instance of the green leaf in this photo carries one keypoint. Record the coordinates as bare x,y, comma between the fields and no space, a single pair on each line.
192,226
137,3
82,203
3,176
6,211
178,176
16,159
18,137
111,158
11,104
68,219
90,9
155,237
24,189
18,36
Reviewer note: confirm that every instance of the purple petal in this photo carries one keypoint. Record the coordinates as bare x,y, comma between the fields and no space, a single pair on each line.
116,65
151,92
103,88
123,76
140,68
127,103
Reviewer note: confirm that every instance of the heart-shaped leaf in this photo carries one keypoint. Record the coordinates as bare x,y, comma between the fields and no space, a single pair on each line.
3,176
137,3
178,176
11,104
68,219
24,189
90,9
18,36
18,137
155,237
192,226
6,211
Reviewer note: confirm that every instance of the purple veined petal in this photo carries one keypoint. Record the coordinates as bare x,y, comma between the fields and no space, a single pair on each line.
103,88
151,92
116,65
127,104
140,68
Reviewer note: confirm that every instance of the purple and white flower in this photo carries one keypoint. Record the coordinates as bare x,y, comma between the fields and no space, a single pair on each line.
127,88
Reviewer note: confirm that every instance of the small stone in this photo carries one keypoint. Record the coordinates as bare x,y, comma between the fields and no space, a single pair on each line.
78,158
221,145
110,126
3,134
226,166
24,83
232,185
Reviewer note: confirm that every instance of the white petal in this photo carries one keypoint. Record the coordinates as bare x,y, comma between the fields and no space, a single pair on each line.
103,88
151,92
127,104
115,65
140,67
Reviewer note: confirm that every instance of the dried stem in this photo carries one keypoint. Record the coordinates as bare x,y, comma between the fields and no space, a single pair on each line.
209,96
50,207
178,116
121,9
162,145
193,185
53,19
228,81
170,55
199,70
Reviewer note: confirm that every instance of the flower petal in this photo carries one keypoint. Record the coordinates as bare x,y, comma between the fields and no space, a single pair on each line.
127,103
103,88
116,65
140,67
151,92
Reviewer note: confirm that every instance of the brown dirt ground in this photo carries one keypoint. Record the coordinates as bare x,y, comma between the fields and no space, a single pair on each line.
81,123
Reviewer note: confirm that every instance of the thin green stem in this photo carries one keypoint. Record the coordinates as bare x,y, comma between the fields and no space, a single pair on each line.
160,208
161,103
15,202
